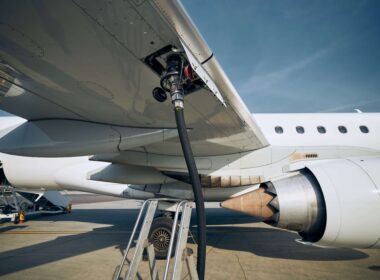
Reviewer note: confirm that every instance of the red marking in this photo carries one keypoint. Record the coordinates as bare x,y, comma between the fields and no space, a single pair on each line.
188,72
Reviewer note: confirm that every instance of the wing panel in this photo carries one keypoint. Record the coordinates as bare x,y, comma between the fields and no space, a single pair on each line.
85,60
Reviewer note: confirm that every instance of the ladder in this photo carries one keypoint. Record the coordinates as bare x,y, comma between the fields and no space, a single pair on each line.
181,253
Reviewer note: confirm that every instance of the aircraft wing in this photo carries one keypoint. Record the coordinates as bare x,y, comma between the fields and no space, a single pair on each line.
98,61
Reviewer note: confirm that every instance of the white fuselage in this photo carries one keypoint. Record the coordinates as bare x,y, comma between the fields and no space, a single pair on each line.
331,122
287,151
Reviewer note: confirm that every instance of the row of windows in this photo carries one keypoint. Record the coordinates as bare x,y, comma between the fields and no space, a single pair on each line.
321,129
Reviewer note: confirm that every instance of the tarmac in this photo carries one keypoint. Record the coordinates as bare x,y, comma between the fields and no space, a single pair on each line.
88,244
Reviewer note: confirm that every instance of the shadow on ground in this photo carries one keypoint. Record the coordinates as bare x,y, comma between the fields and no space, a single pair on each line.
273,243
118,223
8,228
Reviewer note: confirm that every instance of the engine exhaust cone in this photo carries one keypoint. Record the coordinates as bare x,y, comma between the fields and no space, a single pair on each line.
256,203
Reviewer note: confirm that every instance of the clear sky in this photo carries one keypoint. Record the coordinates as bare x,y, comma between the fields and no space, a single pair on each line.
296,56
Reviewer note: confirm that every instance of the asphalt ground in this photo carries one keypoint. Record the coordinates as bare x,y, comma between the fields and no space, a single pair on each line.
88,244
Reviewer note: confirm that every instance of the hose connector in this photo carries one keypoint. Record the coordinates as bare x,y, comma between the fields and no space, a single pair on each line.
171,80
177,100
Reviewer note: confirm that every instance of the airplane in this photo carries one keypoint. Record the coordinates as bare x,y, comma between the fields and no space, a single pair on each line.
89,83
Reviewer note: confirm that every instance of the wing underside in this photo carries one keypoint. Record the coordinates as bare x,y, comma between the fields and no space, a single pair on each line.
87,60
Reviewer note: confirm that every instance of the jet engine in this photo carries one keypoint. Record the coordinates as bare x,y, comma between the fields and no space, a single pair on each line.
330,203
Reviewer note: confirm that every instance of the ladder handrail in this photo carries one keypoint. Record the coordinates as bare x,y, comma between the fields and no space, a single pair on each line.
181,242
131,238
141,241
172,236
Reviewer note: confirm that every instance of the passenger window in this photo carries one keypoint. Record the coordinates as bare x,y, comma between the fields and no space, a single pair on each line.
364,129
342,129
321,129
278,130
300,129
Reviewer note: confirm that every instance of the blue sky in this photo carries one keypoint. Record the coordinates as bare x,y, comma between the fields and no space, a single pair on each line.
296,56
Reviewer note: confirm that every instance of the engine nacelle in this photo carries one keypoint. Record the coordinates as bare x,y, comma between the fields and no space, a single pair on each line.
330,203
351,191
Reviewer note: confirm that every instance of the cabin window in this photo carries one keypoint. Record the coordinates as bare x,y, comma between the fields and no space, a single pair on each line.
321,129
278,130
300,129
342,129
364,129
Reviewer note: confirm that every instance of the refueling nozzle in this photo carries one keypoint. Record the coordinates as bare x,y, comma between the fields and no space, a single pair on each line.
171,80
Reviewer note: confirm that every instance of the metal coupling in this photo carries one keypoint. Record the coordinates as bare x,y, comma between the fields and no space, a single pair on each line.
178,99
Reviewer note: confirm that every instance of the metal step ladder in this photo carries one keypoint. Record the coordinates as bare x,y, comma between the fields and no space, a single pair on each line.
181,254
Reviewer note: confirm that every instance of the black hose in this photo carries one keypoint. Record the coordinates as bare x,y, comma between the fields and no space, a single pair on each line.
197,189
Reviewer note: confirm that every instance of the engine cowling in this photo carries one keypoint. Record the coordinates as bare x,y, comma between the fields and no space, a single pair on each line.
330,203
